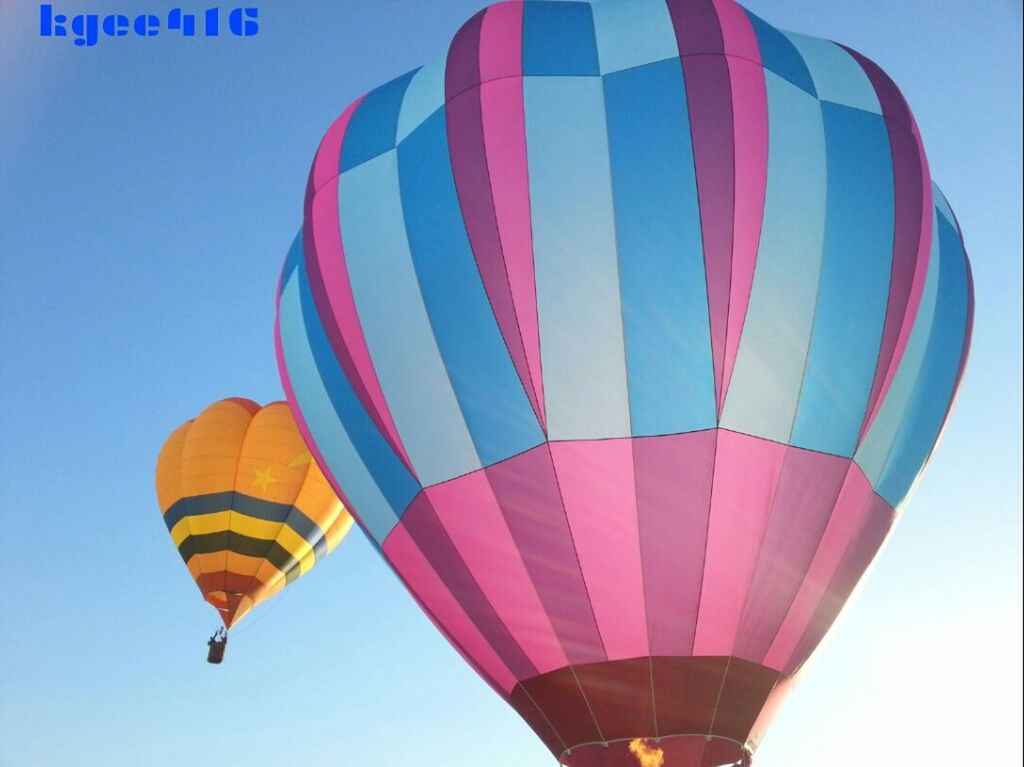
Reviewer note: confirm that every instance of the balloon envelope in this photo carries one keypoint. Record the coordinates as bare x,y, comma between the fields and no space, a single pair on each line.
626,329
245,503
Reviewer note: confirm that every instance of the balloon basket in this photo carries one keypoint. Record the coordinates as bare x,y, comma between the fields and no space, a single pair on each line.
669,751
217,644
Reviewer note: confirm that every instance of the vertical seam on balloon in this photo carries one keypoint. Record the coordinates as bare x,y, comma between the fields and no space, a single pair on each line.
426,312
880,374
545,716
519,554
718,700
847,552
727,373
654,703
187,516
593,716
810,561
707,533
448,635
483,594
476,260
231,508
882,474
381,419
579,565
284,523
529,205
625,361
821,271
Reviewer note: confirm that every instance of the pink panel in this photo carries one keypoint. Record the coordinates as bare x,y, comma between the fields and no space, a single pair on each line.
501,42
332,292
738,36
327,160
527,491
673,489
473,520
746,472
750,120
596,480
847,517
504,124
876,525
804,499
437,602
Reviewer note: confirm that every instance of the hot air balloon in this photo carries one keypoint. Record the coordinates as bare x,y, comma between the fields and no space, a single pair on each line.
626,330
246,505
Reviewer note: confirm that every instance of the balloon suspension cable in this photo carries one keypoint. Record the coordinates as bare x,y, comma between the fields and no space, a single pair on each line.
273,603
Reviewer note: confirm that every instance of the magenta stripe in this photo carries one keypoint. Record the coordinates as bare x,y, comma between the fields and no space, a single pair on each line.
423,526
501,42
332,291
470,514
750,110
912,233
444,612
596,480
709,98
846,519
750,118
327,160
877,522
528,493
673,489
804,500
696,26
746,473
472,167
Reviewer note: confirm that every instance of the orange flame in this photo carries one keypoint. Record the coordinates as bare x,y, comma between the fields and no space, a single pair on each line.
646,754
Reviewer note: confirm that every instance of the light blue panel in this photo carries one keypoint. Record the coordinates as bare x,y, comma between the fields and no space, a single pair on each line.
929,403
854,284
631,33
877,444
837,75
766,379
575,260
423,97
398,334
327,431
661,256
496,409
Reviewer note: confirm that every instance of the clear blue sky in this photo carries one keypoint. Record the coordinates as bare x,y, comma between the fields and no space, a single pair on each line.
149,190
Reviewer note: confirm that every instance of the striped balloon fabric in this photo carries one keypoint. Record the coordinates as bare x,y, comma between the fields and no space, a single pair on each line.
626,329
247,507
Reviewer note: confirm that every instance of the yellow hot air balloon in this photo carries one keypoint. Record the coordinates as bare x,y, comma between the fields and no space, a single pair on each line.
246,504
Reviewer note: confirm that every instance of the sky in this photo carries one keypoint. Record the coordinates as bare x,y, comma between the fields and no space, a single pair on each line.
149,190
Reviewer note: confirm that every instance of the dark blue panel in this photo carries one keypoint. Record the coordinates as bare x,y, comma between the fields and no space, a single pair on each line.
397,485
929,403
558,39
661,260
491,396
374,125
780,55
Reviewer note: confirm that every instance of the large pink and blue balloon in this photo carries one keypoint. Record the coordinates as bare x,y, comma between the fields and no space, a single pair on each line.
625,330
